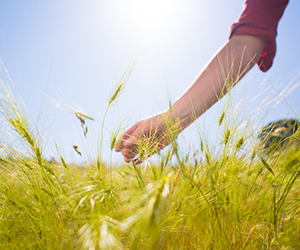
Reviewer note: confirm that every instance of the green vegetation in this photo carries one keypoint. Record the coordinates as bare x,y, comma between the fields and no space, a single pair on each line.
235,198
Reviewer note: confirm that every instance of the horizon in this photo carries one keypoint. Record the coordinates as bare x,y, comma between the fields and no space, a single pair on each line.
66,57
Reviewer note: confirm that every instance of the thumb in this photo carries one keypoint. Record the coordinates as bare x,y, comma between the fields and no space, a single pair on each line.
127,134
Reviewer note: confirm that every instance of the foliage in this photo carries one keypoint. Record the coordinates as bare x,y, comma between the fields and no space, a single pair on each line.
229,199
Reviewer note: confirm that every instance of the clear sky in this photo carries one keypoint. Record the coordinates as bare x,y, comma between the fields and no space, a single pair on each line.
68,55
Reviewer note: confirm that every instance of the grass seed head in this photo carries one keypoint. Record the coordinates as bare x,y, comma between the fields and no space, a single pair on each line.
221,118
76,149
227,136
80,118
115,93
85,131
240,143
201,146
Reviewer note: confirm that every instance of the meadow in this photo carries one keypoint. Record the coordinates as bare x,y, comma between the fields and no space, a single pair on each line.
233,196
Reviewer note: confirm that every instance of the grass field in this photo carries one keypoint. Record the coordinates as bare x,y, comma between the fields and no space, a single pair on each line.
235,198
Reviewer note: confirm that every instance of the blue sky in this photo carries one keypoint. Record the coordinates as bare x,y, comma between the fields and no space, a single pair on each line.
68,55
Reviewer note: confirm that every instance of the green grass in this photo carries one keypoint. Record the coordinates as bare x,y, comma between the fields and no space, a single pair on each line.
235,198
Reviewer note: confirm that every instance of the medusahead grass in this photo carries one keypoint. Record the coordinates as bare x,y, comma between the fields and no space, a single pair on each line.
112,99
229,197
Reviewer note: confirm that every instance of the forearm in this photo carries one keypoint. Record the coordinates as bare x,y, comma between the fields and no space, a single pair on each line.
225,69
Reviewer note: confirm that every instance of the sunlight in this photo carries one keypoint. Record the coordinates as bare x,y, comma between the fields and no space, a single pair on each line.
150,14
147,18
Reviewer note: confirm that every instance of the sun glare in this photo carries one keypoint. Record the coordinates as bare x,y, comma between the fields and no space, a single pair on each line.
147,18
149,13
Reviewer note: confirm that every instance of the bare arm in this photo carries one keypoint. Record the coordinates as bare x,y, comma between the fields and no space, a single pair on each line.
224,70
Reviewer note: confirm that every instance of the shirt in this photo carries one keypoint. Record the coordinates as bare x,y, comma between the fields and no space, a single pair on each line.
260,18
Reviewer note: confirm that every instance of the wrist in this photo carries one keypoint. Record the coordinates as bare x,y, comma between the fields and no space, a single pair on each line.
180,118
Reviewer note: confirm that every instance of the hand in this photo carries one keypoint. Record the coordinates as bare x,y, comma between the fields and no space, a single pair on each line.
146,137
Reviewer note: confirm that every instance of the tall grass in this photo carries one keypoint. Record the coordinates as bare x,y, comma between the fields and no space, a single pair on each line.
112,99
235,198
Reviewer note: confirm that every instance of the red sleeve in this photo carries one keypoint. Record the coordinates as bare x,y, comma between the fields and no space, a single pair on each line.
260,18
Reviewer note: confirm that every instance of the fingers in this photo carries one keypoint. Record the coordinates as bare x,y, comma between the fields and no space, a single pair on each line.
135,133
131,144
139,160
127,144
120,144
151,147
144,138
129,153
